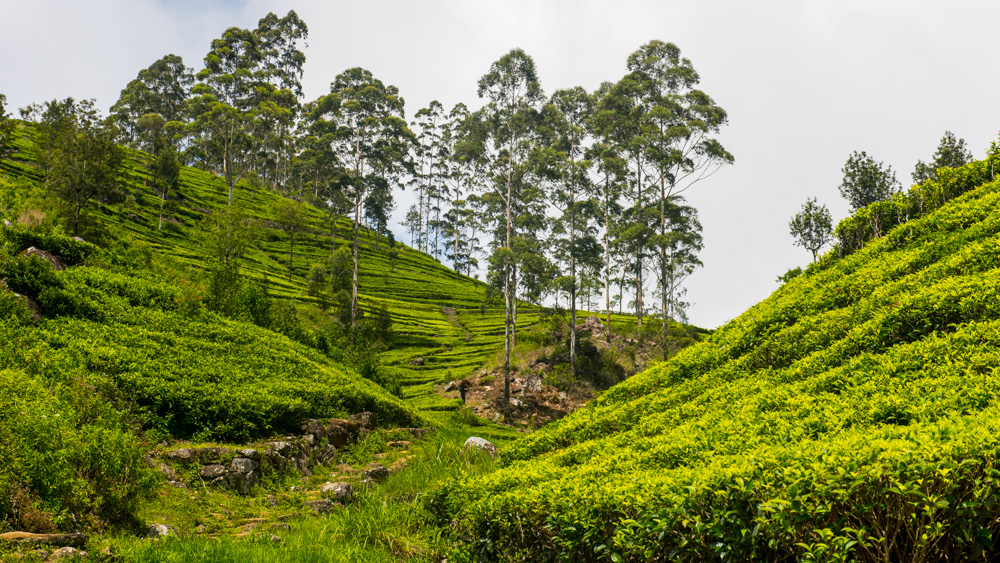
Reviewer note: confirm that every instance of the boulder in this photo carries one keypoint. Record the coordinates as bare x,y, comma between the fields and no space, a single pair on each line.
249,453
213,471
242,483
242,465
321,506
364,419
183,455
401,444
482,444
57,264
533,384
375,473
282,448
314,427
417,362
78,239
157,530
451,386
54,540
337,492
340,432
168,472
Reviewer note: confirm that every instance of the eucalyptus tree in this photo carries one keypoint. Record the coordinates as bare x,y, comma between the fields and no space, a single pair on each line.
678,140
499,138
247,98
162,163
364,122
430,157
951,152
6,127
612,175
163,89
567,117
621,122
291,218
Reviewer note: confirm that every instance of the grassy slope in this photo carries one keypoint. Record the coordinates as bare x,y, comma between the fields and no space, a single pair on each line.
852,414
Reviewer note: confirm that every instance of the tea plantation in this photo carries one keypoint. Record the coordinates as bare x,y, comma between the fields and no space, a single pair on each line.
852,415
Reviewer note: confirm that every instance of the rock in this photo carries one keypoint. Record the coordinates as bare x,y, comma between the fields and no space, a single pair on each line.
375,473
482,444
275,539
67,553
515,402
276,460
157,530
340,432
6,223
401,444
282,448
594,322
363,419
417,362
249,453
182,455
213,471
321,506
451,386
533,383
78,239
55,540
168,472
201,529
57,264
242,465
281,526
209,454
562,396
314,427
337,492
242,483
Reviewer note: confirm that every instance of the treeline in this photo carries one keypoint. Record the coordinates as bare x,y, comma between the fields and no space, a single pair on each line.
559,195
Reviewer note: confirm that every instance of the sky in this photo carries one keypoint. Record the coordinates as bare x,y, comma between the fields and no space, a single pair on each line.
804,83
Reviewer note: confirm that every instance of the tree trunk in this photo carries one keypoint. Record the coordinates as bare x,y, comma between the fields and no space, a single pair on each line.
572,273
663,267
607,270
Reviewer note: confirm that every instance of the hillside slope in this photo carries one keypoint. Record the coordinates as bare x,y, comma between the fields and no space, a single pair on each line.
852,415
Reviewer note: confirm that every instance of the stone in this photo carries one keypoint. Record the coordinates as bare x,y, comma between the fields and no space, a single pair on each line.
168,472
451,386
375,473
182,455
275,539
417,362
57,264
341,432
67,553
314,427
363,419
242,465
337,492
282,448
157,530
533,384
418,432
482,444
594,322
55,540
242,483
321,506
78,239
249,453
398,465
6,223
400,444
213,471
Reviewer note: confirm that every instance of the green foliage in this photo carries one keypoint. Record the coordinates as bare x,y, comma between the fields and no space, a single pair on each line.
850,416
71,251
866,181
67,461
952,152
812,227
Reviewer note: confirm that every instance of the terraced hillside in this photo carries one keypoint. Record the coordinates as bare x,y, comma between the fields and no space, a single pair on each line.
852,415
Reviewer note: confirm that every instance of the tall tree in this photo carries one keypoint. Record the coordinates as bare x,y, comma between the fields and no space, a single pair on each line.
867,181
568,115
6,127
292,219
364,121
162,164
812,227
85,161
682,151
951,152
162,88
502,133
612,170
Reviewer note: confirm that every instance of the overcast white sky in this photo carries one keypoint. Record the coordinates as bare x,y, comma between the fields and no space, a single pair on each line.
804,83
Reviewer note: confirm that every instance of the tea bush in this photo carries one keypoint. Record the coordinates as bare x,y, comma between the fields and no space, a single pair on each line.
852,415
